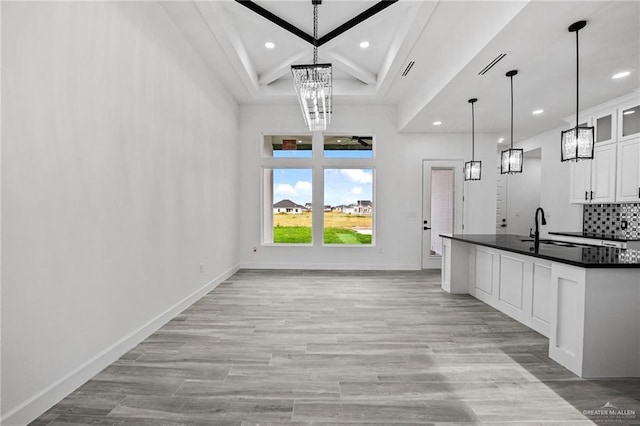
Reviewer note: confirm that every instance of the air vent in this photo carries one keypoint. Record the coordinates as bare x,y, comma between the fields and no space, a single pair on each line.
408,68
492,63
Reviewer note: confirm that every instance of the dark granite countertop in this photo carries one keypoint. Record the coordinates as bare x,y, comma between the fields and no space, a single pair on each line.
594,236
578,255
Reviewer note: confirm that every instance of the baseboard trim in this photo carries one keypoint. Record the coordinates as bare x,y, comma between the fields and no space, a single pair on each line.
35,406
332,266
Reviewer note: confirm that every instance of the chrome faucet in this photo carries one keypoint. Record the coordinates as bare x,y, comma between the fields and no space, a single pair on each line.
536,235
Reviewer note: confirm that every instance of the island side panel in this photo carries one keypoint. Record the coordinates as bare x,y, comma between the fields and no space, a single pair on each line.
455,266
612,323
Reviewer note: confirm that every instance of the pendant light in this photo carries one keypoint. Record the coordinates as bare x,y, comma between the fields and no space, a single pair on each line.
511,159
313,84
472,169
577,143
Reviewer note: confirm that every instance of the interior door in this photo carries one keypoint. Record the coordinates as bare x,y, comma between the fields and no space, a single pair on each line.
442,208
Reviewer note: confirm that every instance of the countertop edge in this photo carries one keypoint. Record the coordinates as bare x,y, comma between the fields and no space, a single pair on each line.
591,237
546,257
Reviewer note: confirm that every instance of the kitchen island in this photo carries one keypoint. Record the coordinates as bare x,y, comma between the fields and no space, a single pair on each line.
585,299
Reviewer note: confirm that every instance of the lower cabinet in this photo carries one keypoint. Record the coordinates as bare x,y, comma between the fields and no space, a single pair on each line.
590,315
519,286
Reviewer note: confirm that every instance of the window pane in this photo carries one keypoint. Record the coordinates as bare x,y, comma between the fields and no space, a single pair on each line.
348,210
291,206
348,147
287,146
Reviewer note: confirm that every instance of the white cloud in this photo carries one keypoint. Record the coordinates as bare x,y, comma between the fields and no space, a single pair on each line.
301,188
357,175
356,190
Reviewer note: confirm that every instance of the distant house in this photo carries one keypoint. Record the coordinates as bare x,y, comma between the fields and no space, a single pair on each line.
307,206
364,207
327,208
288,206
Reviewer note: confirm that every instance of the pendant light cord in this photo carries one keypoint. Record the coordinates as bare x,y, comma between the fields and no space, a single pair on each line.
577,84
511,78
473,131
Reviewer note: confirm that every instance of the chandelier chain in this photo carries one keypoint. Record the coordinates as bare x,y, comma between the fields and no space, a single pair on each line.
315,34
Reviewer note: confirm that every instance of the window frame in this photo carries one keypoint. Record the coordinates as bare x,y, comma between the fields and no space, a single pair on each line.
317,163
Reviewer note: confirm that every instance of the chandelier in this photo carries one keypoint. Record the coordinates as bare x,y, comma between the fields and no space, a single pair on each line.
577,143
314,84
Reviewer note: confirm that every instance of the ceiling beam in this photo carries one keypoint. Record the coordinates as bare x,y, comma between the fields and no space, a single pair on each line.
376,8
277,20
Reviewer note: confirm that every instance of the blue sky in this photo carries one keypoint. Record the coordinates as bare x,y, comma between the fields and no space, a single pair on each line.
342,186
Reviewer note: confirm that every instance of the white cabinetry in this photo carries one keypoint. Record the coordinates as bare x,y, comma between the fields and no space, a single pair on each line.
629,121
595,332
595,181
519,286
628,185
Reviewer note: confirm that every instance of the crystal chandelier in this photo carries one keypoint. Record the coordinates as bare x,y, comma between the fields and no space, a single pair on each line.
313,85
511,161
472,169
577,143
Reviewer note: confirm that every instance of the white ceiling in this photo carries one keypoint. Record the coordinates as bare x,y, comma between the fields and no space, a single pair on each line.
449,41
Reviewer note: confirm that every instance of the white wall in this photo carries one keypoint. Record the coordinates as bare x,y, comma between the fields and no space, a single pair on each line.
524,196
119,178
398,189
554,191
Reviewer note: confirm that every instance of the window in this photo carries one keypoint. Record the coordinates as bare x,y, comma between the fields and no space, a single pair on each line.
287,146
289,193
348,147
341,196
348,210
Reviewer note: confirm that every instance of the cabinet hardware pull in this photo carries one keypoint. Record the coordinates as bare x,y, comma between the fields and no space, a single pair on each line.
591,195
586,195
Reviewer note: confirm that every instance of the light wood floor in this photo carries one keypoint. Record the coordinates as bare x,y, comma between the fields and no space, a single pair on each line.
327,347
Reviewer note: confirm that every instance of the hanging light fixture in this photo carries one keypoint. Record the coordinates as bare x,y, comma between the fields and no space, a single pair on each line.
511,160
313,84
472,169
577,143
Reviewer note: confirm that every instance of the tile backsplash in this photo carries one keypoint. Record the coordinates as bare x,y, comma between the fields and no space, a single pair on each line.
619,220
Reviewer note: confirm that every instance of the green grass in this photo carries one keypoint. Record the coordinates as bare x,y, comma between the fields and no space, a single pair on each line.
292,235
303,235
345,236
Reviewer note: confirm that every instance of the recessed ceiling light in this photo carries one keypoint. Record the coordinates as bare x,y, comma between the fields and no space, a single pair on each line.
364,44
500,140
622,74
631,111
339,140
437,123
538,111
269,45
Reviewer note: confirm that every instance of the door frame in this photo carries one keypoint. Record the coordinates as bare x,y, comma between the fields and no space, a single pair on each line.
434,262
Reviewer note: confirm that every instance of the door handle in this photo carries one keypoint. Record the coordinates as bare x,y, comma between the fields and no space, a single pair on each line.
426,228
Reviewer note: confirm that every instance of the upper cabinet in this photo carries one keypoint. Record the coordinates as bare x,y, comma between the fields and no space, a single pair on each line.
629,121
628,185
595,181
613,176
605,123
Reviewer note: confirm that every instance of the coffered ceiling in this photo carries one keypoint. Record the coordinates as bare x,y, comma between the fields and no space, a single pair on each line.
447,44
